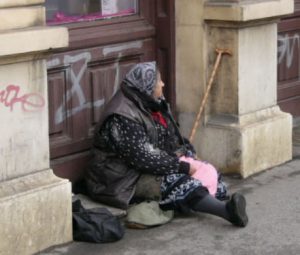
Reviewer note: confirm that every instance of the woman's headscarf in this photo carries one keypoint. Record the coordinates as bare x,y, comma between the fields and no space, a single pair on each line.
139,83
143,77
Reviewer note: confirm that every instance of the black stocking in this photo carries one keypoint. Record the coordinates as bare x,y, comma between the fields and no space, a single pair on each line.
211,205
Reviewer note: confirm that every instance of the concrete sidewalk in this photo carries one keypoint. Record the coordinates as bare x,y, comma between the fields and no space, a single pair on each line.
273,205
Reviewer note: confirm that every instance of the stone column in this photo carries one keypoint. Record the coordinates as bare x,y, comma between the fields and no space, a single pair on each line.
243,130
35,205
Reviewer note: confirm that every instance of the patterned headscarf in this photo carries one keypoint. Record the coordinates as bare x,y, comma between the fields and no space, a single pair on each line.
142,77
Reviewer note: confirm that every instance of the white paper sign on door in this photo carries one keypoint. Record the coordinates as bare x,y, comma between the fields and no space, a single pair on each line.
109,7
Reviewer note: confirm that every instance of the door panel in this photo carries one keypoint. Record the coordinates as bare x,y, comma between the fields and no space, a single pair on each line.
165,47
80,84
83,77
57,87
289,63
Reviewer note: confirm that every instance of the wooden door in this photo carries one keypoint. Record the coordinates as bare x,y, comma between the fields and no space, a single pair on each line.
289,63
165,24
83,77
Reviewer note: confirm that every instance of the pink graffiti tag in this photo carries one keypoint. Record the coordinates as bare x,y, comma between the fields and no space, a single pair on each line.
29,102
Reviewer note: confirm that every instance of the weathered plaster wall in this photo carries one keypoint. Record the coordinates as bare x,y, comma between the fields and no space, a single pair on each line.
23,146
190,60
14,3
241,130
35,205
31,16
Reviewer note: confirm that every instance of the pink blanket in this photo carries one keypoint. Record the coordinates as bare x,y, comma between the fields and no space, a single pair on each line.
205,173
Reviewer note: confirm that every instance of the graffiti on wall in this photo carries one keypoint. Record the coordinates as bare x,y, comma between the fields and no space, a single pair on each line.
118,50
76,90
287,46
76,76
12,96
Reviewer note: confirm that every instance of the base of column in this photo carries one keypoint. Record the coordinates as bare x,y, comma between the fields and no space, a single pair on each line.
36,213
248,144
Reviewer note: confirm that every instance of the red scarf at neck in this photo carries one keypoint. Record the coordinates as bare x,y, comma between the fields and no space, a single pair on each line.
158,117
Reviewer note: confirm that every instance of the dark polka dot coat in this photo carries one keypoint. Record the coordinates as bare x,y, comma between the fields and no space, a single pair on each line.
130,141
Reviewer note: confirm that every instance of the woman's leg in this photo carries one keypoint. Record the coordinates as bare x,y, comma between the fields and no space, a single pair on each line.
234,210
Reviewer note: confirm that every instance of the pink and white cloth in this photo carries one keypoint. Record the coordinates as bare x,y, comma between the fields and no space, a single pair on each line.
205,173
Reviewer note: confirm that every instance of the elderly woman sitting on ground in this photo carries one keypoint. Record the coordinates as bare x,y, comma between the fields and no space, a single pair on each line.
138,135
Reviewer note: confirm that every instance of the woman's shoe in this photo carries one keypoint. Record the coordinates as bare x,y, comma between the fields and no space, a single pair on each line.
236,207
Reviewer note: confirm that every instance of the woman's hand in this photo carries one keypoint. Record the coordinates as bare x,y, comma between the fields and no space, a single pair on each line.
193,169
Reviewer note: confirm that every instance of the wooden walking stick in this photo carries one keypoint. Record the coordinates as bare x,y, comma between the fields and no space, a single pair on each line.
220,52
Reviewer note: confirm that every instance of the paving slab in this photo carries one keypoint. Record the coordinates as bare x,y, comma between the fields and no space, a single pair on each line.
273,204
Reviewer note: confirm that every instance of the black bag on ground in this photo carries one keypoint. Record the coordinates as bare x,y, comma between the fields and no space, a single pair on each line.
96,225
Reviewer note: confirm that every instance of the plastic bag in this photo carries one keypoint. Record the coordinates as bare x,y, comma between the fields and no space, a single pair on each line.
96,225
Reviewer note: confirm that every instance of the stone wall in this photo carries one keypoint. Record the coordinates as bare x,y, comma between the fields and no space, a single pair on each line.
35,204
242,129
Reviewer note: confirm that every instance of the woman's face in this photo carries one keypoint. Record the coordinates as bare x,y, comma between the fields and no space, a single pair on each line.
158,89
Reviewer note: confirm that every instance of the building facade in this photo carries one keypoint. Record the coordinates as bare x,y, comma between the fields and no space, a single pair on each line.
62,61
